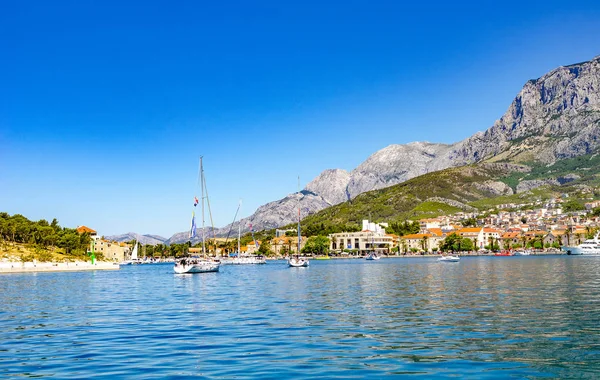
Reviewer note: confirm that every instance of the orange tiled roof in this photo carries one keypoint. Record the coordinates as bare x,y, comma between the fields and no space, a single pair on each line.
488,229
469,229
415,236
82,229
435,231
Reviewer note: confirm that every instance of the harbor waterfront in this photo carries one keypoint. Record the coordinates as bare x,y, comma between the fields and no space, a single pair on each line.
485,317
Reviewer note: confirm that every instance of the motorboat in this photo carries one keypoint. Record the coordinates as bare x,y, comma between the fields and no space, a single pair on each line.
449,258
590,247
522,252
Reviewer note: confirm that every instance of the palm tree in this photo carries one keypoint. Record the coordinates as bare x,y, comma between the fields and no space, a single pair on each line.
523,239
568,235
404,246
424,241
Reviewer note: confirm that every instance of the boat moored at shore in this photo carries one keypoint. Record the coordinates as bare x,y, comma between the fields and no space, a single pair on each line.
590,247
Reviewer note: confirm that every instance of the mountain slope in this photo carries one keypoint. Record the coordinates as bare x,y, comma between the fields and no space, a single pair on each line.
448,190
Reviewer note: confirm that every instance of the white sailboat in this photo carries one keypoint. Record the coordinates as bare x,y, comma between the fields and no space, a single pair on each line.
296,261
372,255
134,256
196,264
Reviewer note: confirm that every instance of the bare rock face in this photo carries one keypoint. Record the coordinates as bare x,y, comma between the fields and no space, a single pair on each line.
527,185
554,117
494,187
331,185
396,164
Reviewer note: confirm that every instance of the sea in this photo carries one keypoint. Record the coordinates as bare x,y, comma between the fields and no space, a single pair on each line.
483,317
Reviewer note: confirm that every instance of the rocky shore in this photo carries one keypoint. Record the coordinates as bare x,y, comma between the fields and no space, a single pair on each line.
20,267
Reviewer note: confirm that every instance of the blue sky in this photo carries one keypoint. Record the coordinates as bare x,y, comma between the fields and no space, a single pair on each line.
106,106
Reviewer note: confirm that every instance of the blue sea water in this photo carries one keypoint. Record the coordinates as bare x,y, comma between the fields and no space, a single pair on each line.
485,317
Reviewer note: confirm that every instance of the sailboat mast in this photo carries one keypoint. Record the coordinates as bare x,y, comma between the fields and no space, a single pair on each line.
239,233
202,197
299,195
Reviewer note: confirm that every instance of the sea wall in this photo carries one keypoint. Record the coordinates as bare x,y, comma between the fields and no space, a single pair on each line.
19,267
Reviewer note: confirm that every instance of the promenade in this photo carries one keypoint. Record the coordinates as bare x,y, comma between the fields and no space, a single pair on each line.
20,267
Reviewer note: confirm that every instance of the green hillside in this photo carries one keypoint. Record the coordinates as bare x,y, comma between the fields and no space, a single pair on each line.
438,193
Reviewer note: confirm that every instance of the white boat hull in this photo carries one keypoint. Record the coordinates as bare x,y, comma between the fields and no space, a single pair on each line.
577,251
297,263
373,257
449,259
243,260
196,267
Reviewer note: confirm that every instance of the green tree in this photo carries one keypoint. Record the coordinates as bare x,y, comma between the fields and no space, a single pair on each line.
317,244
452,242
466,244
469,222
573,205
265,248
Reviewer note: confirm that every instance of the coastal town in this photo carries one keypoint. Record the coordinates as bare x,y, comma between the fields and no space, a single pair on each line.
540,227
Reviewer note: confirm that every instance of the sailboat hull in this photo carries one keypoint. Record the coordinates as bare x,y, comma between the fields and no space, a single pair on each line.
196,267
297,263
243,260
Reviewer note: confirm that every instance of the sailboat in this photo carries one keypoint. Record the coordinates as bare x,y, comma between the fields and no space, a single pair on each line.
238,257
296,261
372,255
134,256
196,264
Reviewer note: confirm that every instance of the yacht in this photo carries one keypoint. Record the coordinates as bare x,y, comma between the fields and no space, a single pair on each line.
590,247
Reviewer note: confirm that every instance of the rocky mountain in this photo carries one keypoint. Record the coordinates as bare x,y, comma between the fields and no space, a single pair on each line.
143,239
554,117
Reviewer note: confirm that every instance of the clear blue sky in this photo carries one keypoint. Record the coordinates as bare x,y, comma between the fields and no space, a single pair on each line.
106,106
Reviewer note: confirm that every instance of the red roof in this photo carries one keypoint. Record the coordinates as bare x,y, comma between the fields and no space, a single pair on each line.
82,229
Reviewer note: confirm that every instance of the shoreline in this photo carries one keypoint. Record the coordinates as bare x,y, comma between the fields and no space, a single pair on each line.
34,267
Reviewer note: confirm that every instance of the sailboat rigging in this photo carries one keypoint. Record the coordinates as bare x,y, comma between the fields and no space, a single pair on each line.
196,264
238,257
296,261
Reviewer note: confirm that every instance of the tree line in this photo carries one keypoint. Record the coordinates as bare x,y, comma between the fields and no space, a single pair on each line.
41,234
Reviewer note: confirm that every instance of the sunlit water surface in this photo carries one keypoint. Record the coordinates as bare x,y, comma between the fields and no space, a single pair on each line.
485,317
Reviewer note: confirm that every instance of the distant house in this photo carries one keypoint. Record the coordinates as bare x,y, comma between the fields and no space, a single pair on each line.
84,229
419,241
481,236
289,242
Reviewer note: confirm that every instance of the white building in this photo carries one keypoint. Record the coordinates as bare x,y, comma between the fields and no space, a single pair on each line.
371,238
